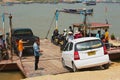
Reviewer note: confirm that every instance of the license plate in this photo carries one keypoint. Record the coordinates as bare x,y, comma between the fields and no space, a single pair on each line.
91,53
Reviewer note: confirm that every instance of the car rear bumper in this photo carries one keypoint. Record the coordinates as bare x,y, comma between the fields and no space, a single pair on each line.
28,47
92,62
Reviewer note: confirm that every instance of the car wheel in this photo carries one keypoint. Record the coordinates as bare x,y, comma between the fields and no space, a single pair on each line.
74,68
106,66
63,63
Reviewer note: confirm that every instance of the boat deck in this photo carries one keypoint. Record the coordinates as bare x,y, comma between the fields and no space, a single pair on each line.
50,61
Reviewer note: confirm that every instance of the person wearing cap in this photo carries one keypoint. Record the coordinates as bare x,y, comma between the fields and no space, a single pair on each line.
37,52
65,32
70,36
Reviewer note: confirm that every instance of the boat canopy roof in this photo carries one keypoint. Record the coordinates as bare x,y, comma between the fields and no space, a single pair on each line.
92,26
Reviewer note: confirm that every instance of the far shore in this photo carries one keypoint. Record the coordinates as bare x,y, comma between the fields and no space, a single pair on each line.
51,2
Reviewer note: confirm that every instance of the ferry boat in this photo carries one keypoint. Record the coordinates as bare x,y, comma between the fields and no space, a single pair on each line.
88,3
114,51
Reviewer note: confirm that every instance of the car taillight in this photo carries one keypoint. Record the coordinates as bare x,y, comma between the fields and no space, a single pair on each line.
105,50
76,55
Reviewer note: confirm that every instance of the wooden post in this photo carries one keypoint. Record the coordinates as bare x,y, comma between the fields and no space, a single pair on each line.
10,22
85,25
86,13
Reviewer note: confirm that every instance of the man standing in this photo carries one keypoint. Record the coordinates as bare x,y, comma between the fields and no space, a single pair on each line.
37,51
20,47
98,35
106,38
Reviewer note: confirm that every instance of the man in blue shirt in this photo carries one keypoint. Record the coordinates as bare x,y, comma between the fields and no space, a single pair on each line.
98,35
36,48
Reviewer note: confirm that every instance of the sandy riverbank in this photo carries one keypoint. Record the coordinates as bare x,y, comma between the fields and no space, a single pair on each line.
113,73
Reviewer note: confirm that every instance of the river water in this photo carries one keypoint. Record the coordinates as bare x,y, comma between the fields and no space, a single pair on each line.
39,17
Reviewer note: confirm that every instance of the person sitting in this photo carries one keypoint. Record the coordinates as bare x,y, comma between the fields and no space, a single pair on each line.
70,36
78,34
55,34
2,44
65,32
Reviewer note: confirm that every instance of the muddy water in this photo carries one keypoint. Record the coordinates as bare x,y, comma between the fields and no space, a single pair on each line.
16,75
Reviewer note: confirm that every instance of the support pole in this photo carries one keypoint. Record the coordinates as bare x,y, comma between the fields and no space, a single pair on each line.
3,25
56,24
86,13
10,22
56,16
85,25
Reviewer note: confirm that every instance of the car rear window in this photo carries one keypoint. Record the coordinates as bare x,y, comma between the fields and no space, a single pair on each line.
23,32
86,45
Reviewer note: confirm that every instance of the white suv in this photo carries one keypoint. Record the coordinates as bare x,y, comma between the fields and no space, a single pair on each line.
85,52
